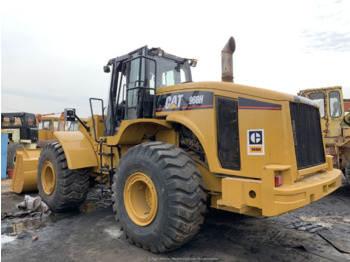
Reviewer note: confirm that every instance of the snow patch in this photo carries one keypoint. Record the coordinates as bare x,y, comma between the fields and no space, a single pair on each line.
7,239
114,232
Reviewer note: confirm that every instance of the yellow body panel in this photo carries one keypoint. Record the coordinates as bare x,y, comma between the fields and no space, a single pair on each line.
251,190
203,124
131,132
78,149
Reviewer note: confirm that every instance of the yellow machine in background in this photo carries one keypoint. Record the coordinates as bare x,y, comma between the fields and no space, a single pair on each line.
25,169
335,124
22,133
170,146
47,126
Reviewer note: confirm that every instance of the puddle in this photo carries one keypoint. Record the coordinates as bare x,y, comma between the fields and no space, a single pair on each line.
22,226
17,222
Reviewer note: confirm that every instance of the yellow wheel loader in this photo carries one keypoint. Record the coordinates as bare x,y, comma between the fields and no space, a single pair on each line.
25,168
335,124
170,147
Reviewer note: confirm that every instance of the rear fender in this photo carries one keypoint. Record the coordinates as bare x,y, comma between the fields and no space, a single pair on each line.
78,149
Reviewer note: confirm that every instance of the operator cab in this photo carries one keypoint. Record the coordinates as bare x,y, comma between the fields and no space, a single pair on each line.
134,80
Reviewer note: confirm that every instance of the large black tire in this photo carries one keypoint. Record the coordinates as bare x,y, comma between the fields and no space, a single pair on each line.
11,154
59,187
163,182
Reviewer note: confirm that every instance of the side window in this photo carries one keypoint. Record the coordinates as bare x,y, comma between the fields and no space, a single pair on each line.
318,98
45,125
135,80
183,76
122,95
168,78
173,77
16,121
55,125
335,104
61,125
5,121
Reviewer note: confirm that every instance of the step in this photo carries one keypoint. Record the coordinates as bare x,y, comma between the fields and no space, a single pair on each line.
106,170
106,154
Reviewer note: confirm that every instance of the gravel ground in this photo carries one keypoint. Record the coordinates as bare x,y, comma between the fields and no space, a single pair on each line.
317,232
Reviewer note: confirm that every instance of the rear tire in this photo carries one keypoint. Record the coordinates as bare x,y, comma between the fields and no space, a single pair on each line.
59,187
11,154
159,196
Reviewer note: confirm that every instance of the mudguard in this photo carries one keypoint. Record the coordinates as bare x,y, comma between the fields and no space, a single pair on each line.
77,148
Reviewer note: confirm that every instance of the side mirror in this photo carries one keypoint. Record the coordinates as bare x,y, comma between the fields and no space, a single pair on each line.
106,69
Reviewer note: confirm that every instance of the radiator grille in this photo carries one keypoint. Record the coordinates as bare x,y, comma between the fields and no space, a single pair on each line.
307,135
228,137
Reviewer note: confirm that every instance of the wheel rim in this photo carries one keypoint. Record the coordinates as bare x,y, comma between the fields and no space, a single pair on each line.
140,199
48,178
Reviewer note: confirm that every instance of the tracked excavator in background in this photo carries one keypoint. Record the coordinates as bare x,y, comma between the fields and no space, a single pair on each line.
170,148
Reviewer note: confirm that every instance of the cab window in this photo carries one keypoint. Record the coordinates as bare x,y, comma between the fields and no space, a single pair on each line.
135,81
45,125
334,104
55,125
11,121
318,98
31,121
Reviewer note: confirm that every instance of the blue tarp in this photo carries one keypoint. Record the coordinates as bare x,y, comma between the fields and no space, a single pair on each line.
3,155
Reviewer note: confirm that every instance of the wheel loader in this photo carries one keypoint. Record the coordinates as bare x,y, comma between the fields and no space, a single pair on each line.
170,148
25,167
335,124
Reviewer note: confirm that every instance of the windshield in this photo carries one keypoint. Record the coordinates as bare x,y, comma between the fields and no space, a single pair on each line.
31,120
45,125
319,99
11,121
170,72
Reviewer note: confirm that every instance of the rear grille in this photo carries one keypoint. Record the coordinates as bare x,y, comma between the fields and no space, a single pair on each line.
228,136
307,135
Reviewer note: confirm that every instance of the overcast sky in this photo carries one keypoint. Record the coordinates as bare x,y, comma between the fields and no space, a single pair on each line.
53,52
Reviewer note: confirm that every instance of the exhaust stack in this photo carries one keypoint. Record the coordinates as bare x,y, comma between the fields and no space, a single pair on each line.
226,60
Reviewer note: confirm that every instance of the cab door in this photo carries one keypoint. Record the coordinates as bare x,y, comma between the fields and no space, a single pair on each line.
135,82
336,113
140,87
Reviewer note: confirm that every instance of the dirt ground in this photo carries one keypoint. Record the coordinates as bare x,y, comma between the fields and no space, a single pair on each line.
317,232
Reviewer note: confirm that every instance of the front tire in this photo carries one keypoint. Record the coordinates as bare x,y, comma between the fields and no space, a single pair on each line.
59,187
159,196
11,154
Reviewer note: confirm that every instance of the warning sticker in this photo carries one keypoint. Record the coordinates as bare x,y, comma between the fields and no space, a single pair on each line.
256,142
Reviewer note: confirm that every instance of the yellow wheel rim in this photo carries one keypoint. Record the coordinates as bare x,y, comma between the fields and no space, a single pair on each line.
140,199
48,178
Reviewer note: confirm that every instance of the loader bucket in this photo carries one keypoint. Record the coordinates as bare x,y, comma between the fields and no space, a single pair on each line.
25,174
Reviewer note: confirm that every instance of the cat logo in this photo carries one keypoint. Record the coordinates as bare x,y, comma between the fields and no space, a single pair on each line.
173,102
256,142
189,100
